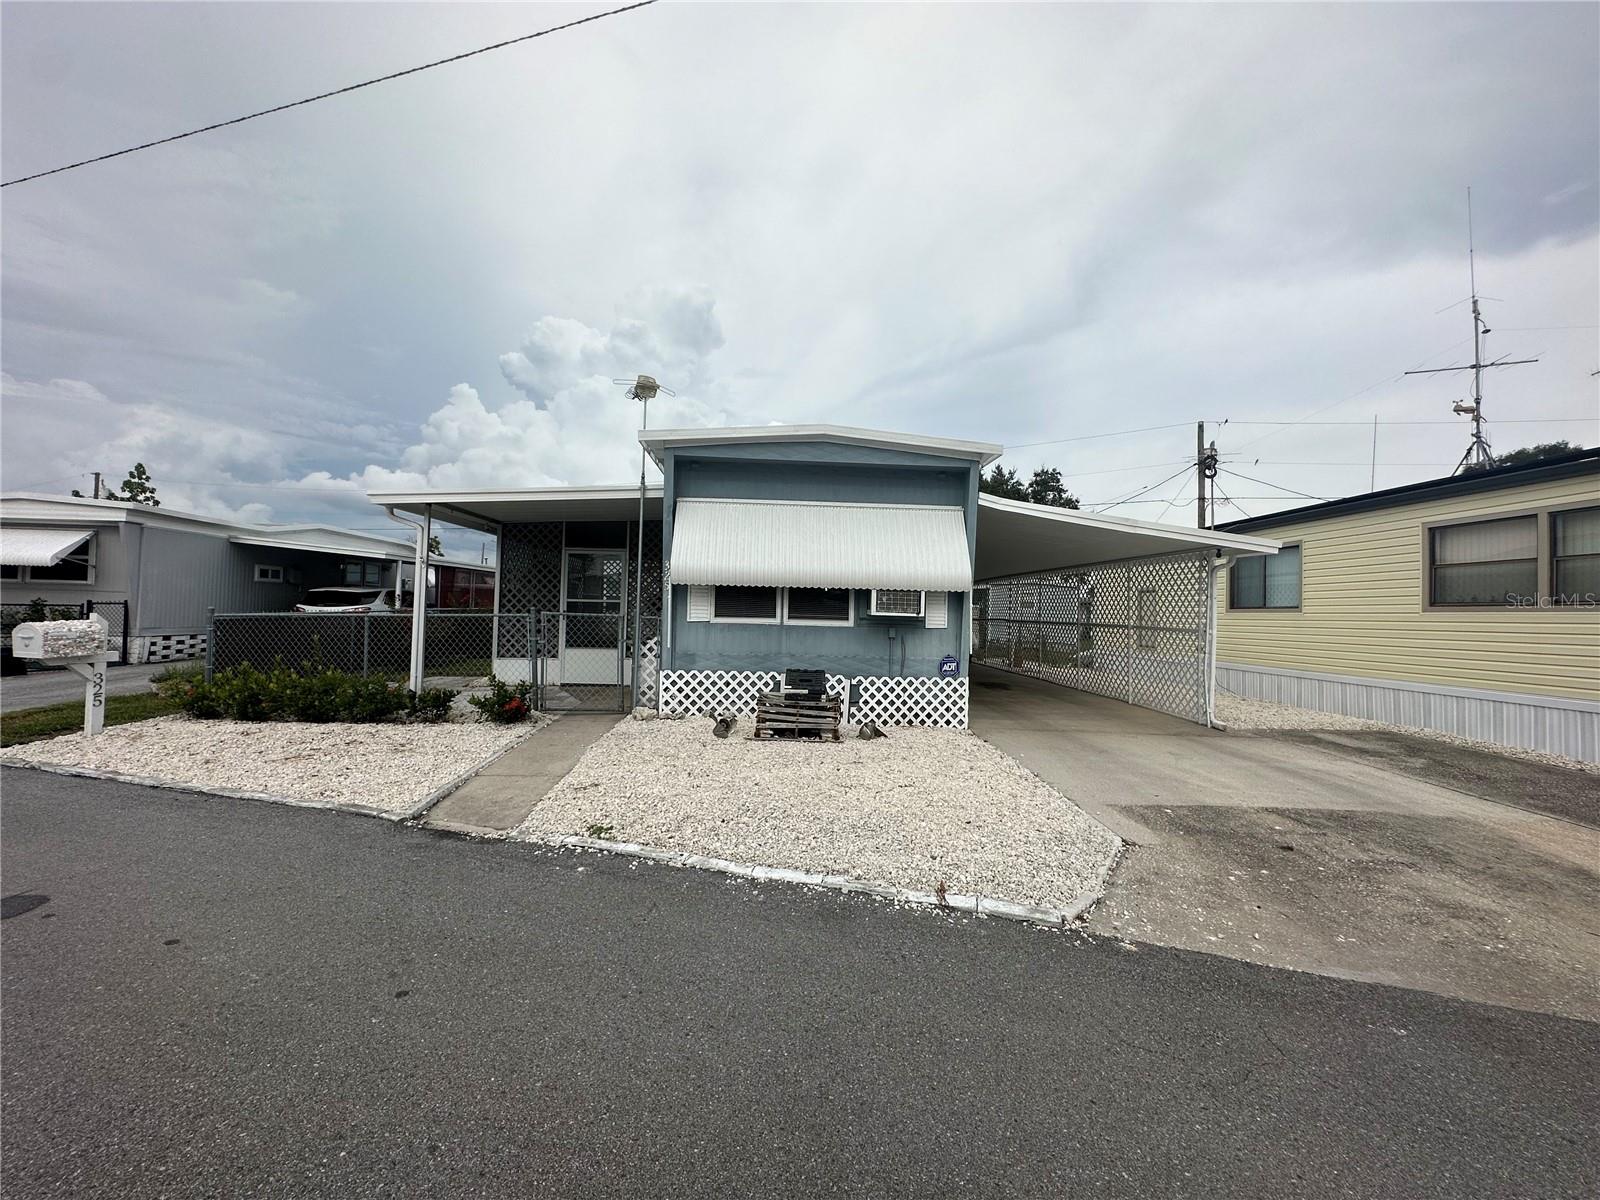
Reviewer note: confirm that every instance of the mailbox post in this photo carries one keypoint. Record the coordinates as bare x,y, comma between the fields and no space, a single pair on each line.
80,647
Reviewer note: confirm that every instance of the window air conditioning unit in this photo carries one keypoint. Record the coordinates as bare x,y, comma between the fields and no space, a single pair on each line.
896,602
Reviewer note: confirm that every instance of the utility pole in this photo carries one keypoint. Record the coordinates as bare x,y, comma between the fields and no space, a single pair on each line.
1205,469
1479,454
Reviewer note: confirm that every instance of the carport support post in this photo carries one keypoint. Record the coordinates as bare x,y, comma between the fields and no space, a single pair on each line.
419,597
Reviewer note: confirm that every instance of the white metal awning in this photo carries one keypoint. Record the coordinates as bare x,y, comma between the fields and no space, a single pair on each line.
1018,538
785,543
39,547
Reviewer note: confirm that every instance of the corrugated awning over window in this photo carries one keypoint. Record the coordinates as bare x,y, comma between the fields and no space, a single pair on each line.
785,543
39,547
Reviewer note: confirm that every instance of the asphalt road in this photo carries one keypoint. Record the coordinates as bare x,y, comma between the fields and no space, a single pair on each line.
230,998
38,688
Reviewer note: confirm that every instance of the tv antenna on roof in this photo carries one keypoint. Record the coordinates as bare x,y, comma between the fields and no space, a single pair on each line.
1478,455
644,389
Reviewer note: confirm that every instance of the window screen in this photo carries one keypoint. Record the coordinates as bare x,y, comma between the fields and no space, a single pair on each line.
1576,546
745,604
819,604
1266,581
1485,562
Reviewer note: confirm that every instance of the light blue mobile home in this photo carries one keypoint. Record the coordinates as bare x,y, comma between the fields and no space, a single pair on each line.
849,551
800,549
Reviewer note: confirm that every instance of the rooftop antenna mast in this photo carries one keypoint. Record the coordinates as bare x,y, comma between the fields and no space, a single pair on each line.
1479,455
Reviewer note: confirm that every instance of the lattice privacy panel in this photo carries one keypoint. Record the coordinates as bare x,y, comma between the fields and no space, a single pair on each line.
911,700
530,576
1135,630
649,671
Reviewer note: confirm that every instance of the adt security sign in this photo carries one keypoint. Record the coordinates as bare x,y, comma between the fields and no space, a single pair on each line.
949,666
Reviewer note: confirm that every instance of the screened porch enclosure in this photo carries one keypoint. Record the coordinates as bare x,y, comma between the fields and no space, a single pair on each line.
574,581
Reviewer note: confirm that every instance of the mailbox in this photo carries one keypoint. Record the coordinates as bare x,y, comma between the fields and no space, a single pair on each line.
61,639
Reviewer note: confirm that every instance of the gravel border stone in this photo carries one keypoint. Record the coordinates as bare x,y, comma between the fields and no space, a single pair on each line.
394,771
922,815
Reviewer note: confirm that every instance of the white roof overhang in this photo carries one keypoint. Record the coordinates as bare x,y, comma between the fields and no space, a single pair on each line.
39,547
348,549
658,441
486,509
1018,538
784,543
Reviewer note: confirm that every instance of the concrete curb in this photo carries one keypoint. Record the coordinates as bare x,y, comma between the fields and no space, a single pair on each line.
360,810
982,906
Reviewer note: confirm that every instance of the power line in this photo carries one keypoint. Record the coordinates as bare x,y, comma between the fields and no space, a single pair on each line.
1088,437
1184,470
1231,502
1270,484
1368,424
266,112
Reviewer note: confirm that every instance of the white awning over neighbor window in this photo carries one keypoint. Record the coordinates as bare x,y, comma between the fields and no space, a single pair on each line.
39,547
786,543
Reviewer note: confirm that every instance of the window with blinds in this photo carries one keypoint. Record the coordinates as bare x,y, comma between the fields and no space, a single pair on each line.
831,606
1484,563
1575,562
1266,580
744,604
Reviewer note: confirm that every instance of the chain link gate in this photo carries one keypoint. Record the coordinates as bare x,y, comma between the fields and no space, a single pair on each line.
1135,629
585,661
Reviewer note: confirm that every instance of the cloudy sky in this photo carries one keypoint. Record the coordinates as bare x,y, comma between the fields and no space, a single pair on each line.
1016,224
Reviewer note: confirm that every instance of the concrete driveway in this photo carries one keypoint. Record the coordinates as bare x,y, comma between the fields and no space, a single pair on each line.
1325,854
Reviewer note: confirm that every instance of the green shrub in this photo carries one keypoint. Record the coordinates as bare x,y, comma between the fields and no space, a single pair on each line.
506,703
247,693
432,704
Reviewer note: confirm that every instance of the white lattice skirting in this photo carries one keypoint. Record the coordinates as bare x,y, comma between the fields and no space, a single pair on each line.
169,647
886,700
904,700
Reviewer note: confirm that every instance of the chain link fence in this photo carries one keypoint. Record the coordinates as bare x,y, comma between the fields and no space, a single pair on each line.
578,662
459,645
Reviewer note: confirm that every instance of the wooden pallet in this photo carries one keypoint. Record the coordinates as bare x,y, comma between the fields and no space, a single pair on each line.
779,715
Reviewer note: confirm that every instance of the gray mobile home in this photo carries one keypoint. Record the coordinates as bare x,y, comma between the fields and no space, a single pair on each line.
157,572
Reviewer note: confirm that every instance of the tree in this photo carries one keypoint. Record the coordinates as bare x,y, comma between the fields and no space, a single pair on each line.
137,488
435,549
1003,483
1526,455
1045,487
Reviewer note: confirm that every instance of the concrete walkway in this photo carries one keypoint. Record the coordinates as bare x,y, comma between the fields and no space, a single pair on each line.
498,797
1277,849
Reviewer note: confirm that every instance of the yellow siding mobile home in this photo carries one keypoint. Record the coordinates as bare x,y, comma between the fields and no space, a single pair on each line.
1469,605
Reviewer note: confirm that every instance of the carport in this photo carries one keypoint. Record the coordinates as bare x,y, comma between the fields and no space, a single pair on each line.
1110,605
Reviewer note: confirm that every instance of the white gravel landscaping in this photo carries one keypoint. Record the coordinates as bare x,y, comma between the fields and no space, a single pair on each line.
1238,712
390,767
913,810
